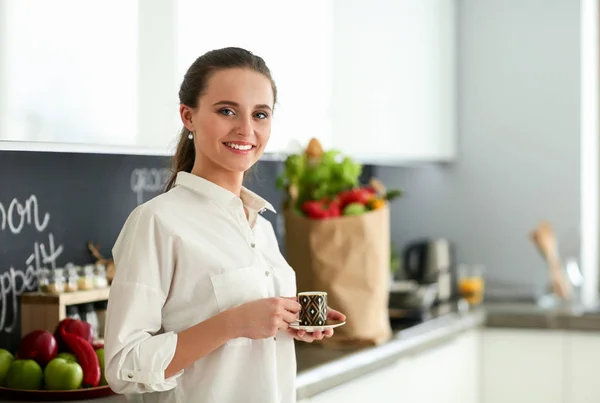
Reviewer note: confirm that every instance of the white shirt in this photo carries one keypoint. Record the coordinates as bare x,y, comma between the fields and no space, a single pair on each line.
181,258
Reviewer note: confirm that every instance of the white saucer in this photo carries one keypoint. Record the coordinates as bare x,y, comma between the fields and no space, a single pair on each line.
330,324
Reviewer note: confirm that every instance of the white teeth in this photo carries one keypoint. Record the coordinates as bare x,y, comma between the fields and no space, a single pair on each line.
239,146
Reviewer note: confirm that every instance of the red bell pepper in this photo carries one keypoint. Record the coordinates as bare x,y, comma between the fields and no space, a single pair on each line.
321,209
356,195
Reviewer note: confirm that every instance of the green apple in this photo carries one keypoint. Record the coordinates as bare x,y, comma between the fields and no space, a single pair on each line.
354,209
24,374
6,358
62,374
67,356
100,354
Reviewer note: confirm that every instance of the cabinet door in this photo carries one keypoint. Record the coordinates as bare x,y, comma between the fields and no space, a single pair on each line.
68,72
444,373
582,352
394,81
448,372
465,374
379,386
294,40
523,366
431,370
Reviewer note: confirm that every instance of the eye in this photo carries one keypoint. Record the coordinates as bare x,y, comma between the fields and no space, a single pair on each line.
226,112
261,115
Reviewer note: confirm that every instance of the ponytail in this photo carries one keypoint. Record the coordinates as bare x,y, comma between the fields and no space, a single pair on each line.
184,157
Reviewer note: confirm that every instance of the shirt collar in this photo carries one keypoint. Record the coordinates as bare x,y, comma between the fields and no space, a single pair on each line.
221,195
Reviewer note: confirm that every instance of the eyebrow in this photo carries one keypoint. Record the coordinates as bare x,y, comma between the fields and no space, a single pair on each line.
235,104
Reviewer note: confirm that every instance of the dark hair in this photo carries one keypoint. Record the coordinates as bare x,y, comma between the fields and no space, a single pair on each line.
194,84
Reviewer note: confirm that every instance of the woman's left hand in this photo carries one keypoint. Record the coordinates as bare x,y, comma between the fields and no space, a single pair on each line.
303,335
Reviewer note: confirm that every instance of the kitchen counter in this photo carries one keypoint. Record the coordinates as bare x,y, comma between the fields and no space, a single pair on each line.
532,316
321,369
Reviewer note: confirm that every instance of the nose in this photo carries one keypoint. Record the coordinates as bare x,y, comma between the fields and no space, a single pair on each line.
245,126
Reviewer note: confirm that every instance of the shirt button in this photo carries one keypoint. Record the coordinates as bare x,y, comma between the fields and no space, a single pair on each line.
253,245
130,376
267,273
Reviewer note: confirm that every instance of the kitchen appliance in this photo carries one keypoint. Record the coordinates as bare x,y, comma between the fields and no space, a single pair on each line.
424,280
410,300
429,261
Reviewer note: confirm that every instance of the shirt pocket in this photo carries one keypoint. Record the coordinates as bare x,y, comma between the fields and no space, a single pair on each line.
287,280
238,286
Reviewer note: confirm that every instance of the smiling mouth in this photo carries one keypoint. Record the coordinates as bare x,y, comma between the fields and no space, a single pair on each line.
240,147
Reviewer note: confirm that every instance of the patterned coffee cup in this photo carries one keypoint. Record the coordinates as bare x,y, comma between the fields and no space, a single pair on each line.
313,310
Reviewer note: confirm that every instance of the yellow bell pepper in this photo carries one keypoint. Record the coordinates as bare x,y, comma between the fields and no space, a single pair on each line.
376,203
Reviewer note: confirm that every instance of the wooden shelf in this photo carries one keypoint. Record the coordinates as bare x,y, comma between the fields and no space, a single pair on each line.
43,311
66,298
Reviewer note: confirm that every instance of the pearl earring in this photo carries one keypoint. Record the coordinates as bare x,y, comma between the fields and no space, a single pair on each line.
191,136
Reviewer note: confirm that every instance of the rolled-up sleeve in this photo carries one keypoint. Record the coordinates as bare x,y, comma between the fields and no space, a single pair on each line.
136,353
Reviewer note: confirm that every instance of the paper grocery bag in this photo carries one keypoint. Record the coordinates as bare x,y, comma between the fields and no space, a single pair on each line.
349,258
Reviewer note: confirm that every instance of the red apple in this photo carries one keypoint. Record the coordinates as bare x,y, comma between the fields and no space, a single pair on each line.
39,345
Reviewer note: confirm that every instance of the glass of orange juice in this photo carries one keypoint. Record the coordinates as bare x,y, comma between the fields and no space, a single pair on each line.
471,284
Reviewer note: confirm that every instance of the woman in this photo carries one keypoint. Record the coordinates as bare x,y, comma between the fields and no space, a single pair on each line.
202,299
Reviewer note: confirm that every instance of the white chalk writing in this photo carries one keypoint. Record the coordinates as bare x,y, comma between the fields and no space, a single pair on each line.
17,215
148,180
14,281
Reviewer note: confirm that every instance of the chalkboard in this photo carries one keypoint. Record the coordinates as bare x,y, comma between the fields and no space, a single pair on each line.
53,204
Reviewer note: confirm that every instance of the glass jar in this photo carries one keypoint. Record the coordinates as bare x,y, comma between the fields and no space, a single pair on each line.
56,281
86,278
43,279
100,308
73,312
88,314
72,277
100,280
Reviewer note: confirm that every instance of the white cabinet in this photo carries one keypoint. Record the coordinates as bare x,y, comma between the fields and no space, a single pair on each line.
394,79
296,42
490,366
107,73
523,366
465,368
68,71
581,367
376,82
380,386
447,372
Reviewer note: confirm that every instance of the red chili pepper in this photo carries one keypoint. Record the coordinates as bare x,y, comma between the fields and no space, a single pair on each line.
86,357
73,326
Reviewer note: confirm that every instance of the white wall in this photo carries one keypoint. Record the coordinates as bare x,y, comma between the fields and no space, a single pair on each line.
519,144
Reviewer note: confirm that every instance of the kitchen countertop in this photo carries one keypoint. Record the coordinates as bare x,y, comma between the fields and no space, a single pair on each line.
531,316
320,369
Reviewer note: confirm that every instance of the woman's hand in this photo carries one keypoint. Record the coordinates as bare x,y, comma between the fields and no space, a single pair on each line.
263,318
302,335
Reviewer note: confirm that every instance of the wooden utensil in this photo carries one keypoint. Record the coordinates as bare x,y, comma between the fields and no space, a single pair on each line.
108,263
544,239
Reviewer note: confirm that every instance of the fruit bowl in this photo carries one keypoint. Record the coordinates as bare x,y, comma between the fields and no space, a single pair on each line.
55,395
